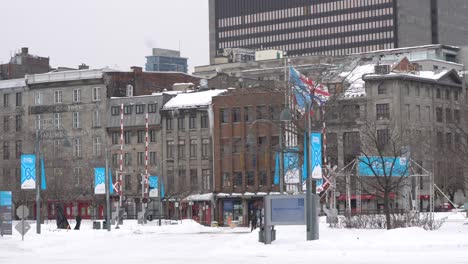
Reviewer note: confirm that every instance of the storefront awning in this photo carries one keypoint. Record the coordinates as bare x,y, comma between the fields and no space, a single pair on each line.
199,197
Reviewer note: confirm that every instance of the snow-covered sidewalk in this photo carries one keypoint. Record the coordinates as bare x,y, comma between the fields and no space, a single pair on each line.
190,242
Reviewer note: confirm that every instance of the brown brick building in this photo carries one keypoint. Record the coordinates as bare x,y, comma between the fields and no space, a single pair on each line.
243,173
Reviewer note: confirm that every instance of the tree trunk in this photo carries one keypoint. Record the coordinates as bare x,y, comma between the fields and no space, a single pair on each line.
387,209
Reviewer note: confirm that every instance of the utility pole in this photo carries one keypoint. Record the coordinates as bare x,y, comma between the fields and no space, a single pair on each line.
38,186
108,209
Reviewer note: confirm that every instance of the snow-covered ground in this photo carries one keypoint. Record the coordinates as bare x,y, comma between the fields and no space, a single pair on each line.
191,243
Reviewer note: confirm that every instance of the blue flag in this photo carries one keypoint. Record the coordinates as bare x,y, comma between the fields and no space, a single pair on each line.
43,175
276,179
162,189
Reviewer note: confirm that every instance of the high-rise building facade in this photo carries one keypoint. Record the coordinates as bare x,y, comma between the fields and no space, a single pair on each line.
166,60
334,27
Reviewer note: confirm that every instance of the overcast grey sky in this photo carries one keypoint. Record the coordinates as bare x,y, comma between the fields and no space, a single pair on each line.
114,33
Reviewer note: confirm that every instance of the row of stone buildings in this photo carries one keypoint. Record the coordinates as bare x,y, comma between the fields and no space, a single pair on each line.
199,135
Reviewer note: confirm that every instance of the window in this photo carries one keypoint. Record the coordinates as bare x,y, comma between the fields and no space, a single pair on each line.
170,149
383,137
18,148
6,123
129,91
204,121
77,175
39,120
181,123
128,183
6,150
262,177
456,116
57,147
127,159
206,175
408,112
448,115
141,136
97,118
77,147
140,109
18,123
169,123
152,108
128,109
19,99
115,138
38,98
236,117
140,158
115,110
57,96
248,115
224,115
96,94
76,120
181,149
6,100
439,115
127,137
382,89
152,135
250,178
225,146
205,147
193,148
57,120
447,94
76,95
194,179
438,96
455,95
383,111
192,121
97,146
226,179
236,145
237,179
152,156
261,112
115,160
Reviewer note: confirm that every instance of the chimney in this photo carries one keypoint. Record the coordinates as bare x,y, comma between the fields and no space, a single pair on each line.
136,69
24,51
83,67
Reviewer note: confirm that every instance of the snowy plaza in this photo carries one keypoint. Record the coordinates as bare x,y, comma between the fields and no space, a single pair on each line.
189,242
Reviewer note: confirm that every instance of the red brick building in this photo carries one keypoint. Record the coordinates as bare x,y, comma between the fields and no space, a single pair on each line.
243,172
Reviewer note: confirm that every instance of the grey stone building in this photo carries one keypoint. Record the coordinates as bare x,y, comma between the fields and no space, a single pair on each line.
134,123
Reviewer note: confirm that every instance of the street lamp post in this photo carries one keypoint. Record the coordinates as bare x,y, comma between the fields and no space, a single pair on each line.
312,224
38,186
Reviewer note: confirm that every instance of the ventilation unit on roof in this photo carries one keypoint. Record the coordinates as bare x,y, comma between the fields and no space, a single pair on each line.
382,69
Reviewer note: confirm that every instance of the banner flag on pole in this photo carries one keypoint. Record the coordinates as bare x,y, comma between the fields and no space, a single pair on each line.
276,179
43,175
111,185
162,189
28,171
99,180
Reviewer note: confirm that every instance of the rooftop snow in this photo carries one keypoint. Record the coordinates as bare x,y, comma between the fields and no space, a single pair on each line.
430,75
192,100
64,76
356,84
13,83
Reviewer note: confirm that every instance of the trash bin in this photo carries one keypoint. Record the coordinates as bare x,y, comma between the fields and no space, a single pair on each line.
273,233
104,224
261,235
96,225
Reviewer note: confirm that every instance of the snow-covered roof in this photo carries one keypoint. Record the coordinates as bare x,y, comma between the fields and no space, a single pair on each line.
192,99
200,197
13,83
429,75
356,83
65,76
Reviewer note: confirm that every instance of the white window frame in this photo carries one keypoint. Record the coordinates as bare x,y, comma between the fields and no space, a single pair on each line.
76,120
129,90
97,146
77,147
97,118
57,120
38,98
76,95
57,96
96,96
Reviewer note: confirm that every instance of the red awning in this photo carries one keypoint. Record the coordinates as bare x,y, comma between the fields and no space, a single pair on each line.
424,197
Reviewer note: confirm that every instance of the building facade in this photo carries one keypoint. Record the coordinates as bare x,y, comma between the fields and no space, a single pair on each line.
23,63
166,60
304,27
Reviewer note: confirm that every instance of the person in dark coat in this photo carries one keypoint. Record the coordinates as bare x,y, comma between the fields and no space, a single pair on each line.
78,222
253,220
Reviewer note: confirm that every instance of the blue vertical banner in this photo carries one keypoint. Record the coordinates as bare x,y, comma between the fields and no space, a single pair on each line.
6,212
43,175
304,164
28,171
111,184
276,179
162,189
316,145
153,186
99,181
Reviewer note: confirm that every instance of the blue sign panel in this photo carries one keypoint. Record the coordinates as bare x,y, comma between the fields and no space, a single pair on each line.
291,164
43,175
153,186
316,144
6,212
99,181
288,210
28,171
374,166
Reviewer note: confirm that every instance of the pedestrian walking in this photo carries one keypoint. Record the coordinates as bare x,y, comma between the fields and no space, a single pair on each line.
253,220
